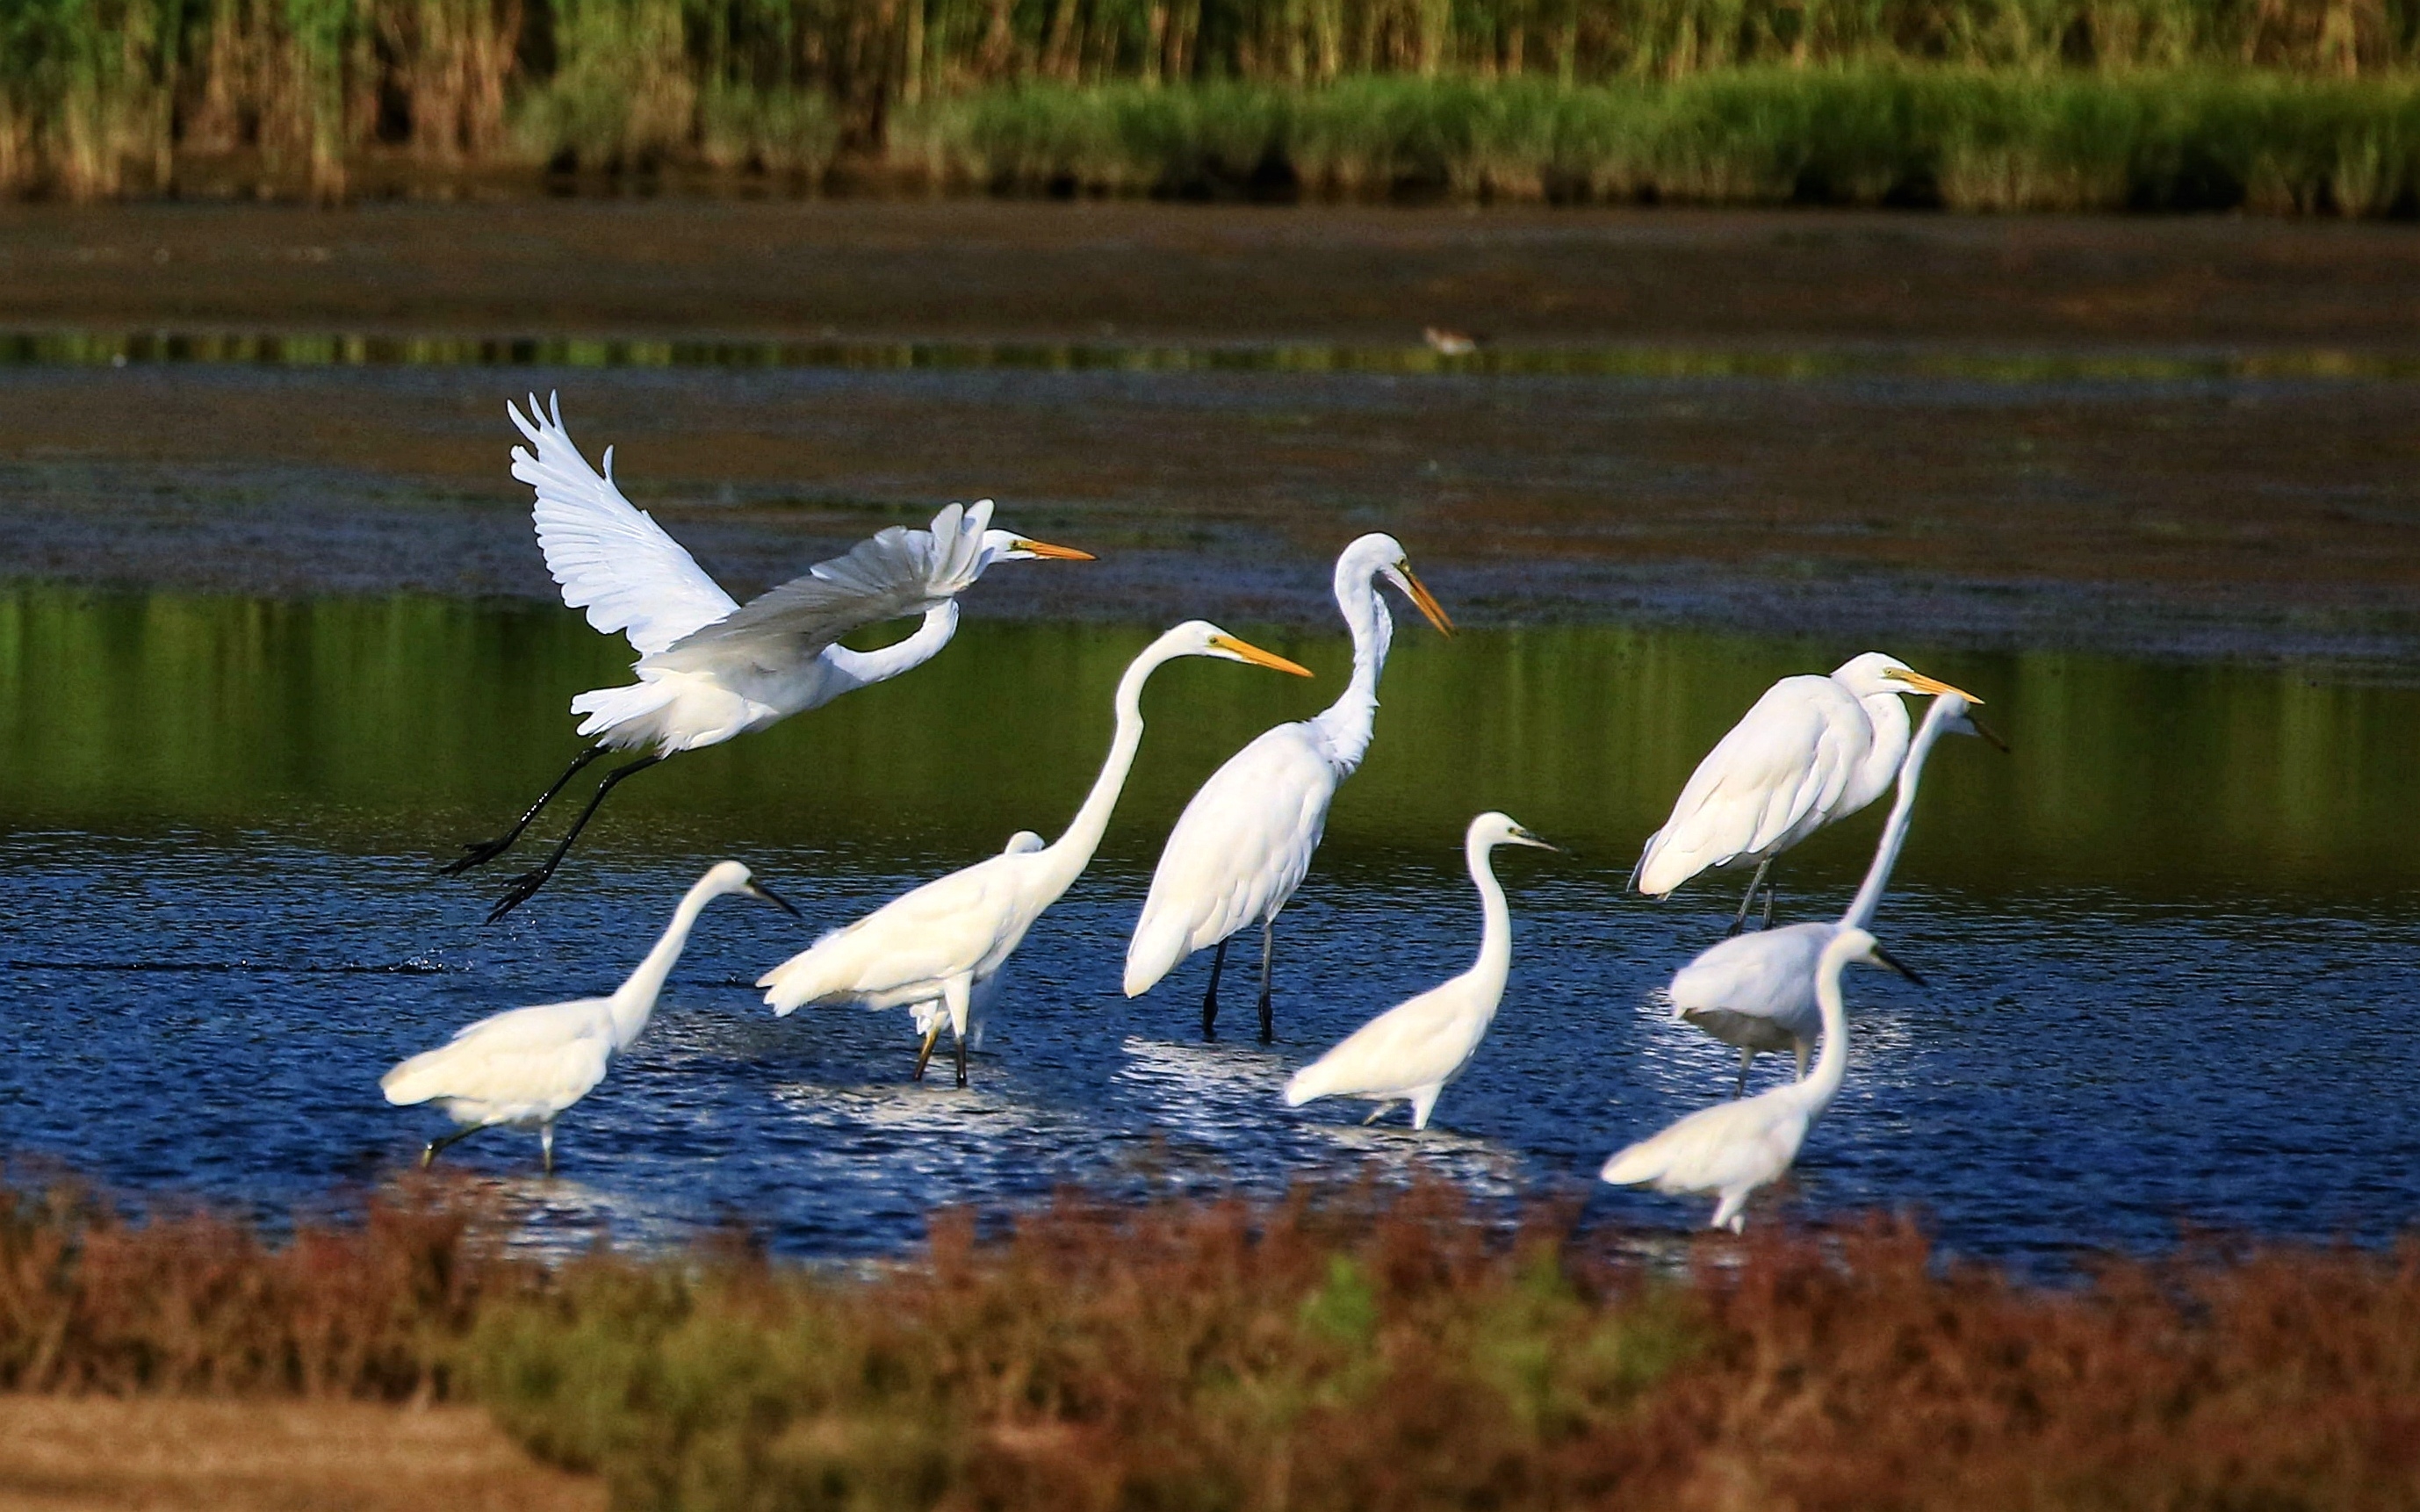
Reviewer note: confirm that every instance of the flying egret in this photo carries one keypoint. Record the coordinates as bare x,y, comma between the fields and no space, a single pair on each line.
711,669
1758,991
1242,845
1411,1050
937,942
1734,1147
526,1066
1812,751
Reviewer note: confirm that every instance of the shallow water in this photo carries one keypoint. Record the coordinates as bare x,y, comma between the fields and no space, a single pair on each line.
2169,941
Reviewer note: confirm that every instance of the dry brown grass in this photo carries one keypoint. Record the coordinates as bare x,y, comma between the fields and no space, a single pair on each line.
1344,1351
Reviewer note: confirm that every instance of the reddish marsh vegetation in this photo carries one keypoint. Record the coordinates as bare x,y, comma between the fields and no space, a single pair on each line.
1339,1352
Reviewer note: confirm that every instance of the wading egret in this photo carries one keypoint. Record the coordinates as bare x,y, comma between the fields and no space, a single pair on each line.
1758,991
1241,847
526,1066
936,944
1411,1050
1811,751
711,669
1734,1147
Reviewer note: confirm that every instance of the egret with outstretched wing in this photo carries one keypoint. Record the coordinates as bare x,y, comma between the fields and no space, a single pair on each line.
711,669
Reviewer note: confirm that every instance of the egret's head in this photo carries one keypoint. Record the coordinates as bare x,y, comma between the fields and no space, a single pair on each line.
1007,546
730,877
1493,829
1874,673
1200,638
1856,945
1024,843
1380,555
1956,720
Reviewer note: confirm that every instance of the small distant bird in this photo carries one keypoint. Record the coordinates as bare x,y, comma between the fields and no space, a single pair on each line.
1731,1149
711,669
1758,991
1450,343
1812,751
526,1066
1411,1050
936,944
1244,844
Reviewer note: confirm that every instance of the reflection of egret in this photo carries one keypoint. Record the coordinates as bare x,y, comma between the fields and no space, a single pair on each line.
708,668
935,944
1758,991
1243,842
1734,1147
1811,751
525,1067
1412,1050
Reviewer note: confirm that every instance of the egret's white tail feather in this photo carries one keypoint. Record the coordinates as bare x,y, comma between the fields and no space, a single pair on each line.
1641,1161
1314,1080
1158,944
802,978
416,1080
627,714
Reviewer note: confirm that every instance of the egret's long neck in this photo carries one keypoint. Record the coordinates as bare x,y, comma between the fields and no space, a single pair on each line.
1887,713
1495,919
636,998
1832,1063
864,667
1066,856
1347,722
1911,771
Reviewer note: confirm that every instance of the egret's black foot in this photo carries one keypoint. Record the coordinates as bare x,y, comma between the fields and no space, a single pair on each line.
477,853
524,887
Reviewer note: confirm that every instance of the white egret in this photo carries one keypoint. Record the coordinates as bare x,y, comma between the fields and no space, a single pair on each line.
1244,841
1411,1050
1731,1149
1758,991
526,1066
936,944
1812,750
711,669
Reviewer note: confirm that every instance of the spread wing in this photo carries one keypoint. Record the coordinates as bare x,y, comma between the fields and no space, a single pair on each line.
611,557
899,571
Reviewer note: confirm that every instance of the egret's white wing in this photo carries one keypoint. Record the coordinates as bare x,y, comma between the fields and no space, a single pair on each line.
1413,1044
1714,1148
942,929
543,1048
611,557
897,571
1785,762
1768,973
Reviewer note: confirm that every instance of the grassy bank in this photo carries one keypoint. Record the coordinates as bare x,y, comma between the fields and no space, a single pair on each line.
2288,104
1335,1354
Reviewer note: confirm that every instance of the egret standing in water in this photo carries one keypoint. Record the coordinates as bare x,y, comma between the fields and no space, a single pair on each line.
709,669
1411,1050
1731,1149
1812,750
1244,844
1758,991
936,944
525,1067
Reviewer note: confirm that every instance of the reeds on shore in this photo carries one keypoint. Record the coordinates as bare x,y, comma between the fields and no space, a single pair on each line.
2289,105
1347,1352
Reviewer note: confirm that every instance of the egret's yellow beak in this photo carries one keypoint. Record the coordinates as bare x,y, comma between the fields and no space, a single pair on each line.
1062,553
1246,650
1926,685
1425,600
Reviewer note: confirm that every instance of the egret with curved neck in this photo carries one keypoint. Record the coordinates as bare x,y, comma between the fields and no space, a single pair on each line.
1413,1050
525,1067
939,943
1758,991
1733,1148
1244,841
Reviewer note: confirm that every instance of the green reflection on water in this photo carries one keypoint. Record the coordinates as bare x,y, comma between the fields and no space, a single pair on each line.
406,724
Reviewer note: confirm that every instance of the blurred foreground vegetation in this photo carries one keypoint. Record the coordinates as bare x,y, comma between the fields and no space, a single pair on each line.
1348,1351
2285,105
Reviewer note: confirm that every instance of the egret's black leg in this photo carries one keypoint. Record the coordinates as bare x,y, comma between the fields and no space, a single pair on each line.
1210,998
1769,891
438,1146
525,886
1747,897
962,1061
480,852
1747,1058
1268,948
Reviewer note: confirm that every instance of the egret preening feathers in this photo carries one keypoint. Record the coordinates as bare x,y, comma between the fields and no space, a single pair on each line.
1758,991
711,669
1244,841
526,1066
1731,1149
1811,751
1411,1050
937,942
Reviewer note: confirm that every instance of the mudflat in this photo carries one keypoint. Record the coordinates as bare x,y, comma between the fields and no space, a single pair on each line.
2167,435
